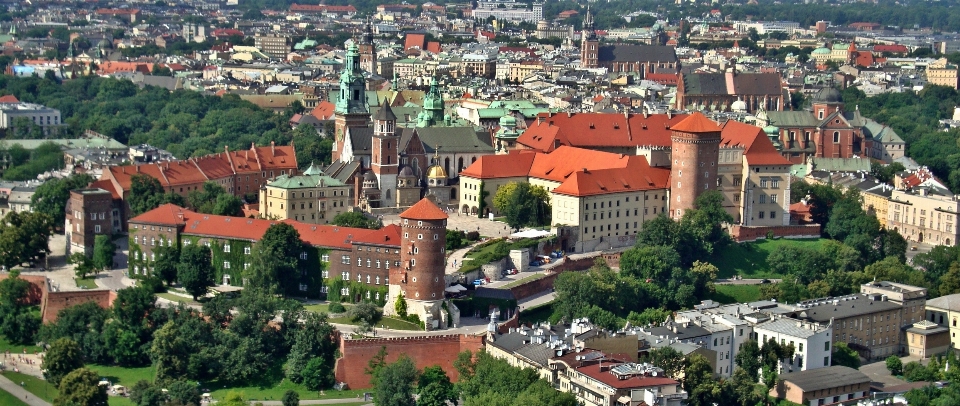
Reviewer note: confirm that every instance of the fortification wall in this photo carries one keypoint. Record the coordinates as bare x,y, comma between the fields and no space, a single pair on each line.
744,234
424,351
53,302
38,285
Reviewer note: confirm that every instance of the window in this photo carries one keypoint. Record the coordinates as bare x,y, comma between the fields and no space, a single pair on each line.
226,264
325,257
763,199
761,214
826,361
226,248
303,255
773,198
773,214
836,137
826,346
775,183
763,182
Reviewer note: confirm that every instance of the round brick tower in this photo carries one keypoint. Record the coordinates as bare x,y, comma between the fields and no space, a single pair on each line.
422,263
695,145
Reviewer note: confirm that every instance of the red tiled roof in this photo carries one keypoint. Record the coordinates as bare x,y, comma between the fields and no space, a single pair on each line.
663,78
434,47
9,99
388,235
636,175
897,49
592,130
424,210
487,34
593,371
415,41
108,186
564,161
756,146
696,123
516,163
240,228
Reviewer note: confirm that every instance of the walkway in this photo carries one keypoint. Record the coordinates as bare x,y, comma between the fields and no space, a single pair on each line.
316,402
23,395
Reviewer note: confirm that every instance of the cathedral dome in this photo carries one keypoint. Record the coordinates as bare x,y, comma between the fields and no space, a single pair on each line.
739,106
406,172
828,95
508,121
436,172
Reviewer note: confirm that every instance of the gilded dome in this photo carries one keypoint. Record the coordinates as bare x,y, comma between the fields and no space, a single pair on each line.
436,171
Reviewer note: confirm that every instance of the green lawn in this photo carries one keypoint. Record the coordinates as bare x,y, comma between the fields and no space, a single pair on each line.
736,294
86,283
8,399
322,307
750,259
6,345
39,387
536,314
124,376
519,282
254,394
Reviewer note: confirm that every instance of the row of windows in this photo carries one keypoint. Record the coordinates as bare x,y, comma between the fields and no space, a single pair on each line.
375,279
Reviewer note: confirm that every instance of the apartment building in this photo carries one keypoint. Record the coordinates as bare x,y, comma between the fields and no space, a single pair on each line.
945,310
869,323
19,113
942,73
273,44
825,386
312,197
922,214
597,380
812,342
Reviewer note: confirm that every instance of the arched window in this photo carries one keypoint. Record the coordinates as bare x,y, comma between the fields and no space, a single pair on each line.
459,164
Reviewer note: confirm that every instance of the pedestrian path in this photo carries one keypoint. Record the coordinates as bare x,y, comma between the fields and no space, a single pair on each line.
22,394
457,258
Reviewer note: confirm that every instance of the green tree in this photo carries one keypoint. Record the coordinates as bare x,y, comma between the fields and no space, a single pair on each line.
394,383
501,199
356,220
748,360
24,236
51,196
103,250
894,365
82,323
376,364
669,360
165,267
650,315
314,339
290,398
195,270
698,374
846,356
146,193
17,324
274,262
364,312
949,283
63,357
527,205
82,265
435,388
317,374
184,393
81,387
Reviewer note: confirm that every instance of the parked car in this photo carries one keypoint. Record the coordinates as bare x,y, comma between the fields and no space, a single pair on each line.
535,263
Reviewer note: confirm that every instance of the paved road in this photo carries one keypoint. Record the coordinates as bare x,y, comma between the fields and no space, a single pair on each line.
21,393
744,281
921,248
534,301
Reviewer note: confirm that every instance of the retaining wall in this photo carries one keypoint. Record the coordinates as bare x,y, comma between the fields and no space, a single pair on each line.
744,233
424,351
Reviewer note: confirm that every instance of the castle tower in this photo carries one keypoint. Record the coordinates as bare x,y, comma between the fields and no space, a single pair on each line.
422,263
590,45
384,159
368,50
351,107
437,186
695,142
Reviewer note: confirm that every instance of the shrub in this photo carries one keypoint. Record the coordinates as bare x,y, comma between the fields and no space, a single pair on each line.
473,236
364,311
153,284
336,308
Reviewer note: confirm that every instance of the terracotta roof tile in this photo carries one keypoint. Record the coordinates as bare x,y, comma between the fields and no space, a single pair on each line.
516,163
756,146
424,210
323,111
240,228
388,235
598,130
696,123
9,99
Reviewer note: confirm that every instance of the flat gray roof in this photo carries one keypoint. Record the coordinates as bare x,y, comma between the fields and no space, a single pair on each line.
825,378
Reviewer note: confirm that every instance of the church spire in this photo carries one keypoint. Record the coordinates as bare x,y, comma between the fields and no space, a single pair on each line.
433,106
352,95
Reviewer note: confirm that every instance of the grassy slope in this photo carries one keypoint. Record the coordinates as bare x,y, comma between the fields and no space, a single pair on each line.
7,399
39,387
750,259
736,293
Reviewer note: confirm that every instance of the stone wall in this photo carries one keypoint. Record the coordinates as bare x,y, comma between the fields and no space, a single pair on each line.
53,302
745,234
38,285
424,351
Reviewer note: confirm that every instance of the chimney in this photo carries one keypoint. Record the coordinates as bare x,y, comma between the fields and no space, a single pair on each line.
273,149
226,149
669,114
138,168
